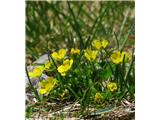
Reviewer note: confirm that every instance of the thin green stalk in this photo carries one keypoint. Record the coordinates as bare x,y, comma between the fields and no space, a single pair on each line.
110,67
123,84
125,40
32,87
84,100
80,9
76,26
130,68
97,22
123,66
53,61
123,24
117,40
75,94
117,76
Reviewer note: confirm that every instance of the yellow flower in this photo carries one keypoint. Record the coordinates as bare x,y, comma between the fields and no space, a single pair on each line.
65,93
67,64
98,44
47,85
116,57
105,43
75,51
98,97
90,54
112,86
59,55
37,72
47,65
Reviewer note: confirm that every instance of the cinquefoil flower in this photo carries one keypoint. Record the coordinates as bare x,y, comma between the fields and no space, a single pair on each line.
59,55
47,85
67,64
98,97
75,51
98,44
37,72
104,43
90,54
48,65
118,57
112,86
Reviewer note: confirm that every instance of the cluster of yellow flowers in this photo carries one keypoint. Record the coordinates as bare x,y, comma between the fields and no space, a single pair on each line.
111,86
117,57
37,71
89,54
47,85
67,64
62,52
98,44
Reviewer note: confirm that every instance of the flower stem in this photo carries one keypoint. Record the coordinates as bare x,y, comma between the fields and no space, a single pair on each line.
32,87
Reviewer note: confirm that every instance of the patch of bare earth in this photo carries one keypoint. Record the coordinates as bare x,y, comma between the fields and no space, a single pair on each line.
71,111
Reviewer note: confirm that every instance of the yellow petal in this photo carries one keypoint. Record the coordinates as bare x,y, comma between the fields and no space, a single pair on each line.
94,54
112,86
98,97
37,71
47,85
65,66
96,44
75,51
61,69
105,43
87,56
48,65
90,55
55,55
32,75
63,74
116,57
59,55
62,53
126,55
42,91
71,62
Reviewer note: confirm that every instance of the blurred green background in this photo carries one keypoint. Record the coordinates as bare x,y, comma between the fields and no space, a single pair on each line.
55,24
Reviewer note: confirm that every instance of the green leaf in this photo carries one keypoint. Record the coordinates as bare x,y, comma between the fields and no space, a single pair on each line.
106,74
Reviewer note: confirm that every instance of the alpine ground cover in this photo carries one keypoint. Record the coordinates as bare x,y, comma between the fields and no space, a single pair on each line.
89,49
